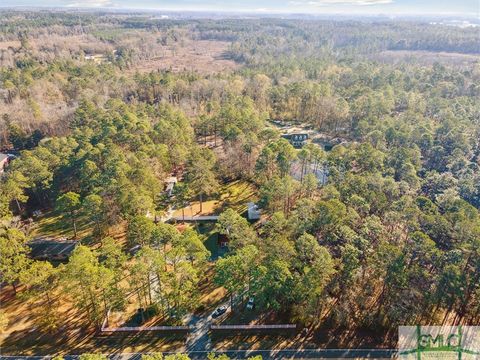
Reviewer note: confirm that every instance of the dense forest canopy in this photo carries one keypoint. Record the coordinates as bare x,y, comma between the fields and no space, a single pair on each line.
391,237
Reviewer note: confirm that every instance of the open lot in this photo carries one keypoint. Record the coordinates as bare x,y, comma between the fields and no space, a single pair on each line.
203,56
233,195
425,57
51,225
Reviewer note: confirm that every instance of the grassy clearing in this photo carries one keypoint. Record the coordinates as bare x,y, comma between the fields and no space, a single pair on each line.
234,195
211,238
54,226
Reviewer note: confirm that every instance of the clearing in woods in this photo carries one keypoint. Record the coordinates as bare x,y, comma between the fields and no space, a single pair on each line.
425,57
203,56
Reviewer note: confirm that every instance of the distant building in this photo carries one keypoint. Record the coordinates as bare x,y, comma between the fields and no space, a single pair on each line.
51,250
4,158
253,212
296,139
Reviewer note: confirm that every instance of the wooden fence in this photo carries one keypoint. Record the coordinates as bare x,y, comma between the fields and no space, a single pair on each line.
254,327
126,329
145,328
202,218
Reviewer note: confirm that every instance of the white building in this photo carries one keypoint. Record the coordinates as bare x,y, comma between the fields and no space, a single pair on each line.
253,211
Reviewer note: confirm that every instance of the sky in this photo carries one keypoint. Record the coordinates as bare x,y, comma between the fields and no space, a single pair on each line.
387,7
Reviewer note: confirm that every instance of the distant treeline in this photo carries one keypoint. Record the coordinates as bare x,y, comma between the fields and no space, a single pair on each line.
363,36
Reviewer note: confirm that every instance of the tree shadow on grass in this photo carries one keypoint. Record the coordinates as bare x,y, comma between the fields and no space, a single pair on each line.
52,225
80,340
235,195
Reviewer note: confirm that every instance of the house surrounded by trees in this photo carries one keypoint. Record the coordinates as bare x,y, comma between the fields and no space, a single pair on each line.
52,250
297,140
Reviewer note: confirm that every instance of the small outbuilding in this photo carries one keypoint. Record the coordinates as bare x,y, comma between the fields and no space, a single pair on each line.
253,212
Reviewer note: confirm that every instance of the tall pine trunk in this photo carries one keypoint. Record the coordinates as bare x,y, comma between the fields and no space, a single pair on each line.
74,224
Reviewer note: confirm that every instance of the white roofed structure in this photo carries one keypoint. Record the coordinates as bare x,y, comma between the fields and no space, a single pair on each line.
253,211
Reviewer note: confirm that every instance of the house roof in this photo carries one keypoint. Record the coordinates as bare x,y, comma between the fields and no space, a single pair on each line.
49,249
292,135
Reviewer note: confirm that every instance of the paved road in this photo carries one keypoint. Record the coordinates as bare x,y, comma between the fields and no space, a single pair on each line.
266,354
199,338
300,354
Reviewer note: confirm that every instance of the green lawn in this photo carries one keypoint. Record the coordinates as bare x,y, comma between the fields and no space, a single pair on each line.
233,195
211,238
53,225
236,195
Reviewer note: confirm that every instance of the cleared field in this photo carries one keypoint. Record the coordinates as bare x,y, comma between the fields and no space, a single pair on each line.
203,56
425,57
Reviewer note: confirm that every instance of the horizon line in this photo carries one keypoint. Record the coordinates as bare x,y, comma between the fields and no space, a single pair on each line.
258,12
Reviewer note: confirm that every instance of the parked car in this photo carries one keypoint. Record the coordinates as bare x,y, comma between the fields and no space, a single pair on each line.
220,311
251,303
